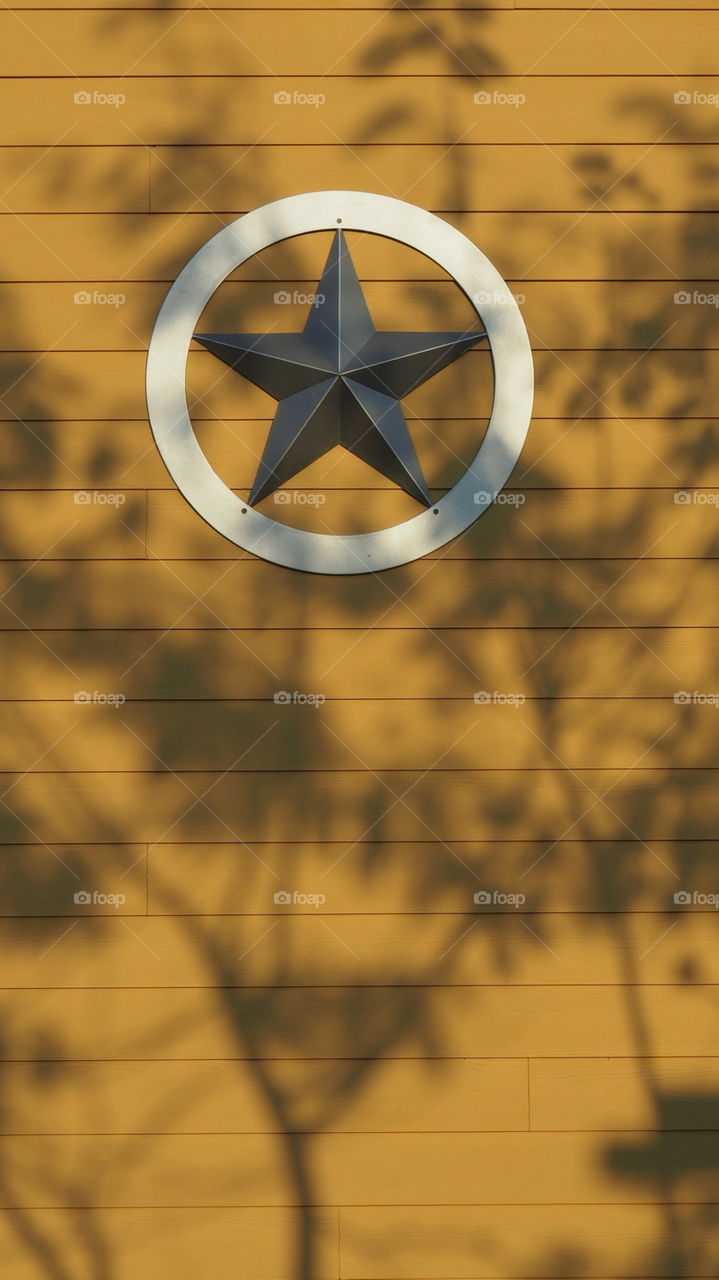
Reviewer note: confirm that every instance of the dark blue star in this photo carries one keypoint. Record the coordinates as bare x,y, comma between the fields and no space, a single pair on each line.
339,381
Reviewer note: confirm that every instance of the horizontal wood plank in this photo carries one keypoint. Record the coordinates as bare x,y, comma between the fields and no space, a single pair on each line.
336,1023
428,876
616,6
222,1170
630,177
536,524
371,877
188,1241
271,6
40,881
399,42
558,453
220,1097
99,180
657,1094
551,246
435,593
649,804
500,730
508,1243
298,110
356,663
343,950
72,521
190,179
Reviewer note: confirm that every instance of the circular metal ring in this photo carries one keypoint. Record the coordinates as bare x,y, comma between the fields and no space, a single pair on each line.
321,552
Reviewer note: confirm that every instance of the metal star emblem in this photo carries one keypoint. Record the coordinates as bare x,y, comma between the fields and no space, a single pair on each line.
339,381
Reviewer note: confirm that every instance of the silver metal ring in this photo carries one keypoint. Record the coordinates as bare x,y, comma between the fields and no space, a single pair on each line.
336,553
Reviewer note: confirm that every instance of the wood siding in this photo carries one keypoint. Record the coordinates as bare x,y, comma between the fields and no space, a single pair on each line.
380,1079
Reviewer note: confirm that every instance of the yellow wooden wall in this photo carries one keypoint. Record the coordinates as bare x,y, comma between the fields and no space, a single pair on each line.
199,1083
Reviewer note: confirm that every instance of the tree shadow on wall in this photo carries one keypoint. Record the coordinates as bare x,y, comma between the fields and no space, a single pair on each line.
314,1008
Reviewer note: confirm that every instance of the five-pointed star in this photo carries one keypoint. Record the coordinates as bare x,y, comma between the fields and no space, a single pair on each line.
339,381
